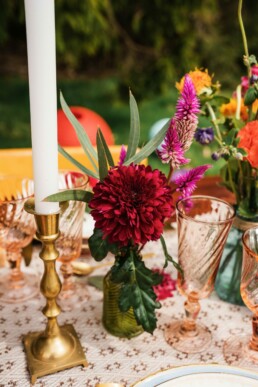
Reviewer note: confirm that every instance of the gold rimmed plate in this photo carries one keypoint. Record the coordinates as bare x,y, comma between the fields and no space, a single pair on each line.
201,375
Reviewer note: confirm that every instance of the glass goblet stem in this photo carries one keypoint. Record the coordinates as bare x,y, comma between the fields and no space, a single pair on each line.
192,309
253,344
16,276
67,271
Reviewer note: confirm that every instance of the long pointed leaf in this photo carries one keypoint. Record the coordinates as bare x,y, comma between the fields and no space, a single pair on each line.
106,149
81,134
77,163
103,165
71,194
134,134
149,147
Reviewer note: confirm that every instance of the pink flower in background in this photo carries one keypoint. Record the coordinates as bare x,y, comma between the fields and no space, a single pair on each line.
254,70
187,108
122,155
166,287
244,84
186,182
171,150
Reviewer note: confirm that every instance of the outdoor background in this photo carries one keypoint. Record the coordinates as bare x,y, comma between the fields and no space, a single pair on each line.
104,47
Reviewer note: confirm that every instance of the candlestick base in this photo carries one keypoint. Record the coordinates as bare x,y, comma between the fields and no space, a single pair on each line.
70,354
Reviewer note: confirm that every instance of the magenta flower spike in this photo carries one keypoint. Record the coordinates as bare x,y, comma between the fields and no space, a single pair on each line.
187,108
122,155
186,182
171,150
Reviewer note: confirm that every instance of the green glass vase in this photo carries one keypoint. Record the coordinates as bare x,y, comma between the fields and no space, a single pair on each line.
228,279
116,322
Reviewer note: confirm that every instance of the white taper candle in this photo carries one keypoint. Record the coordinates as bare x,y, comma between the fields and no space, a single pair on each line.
41,48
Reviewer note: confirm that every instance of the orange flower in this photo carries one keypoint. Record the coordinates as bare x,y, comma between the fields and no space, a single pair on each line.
255,106
201,80
249,142
229,109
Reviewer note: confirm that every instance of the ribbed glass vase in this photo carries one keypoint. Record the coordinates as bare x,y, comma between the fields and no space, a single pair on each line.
116,322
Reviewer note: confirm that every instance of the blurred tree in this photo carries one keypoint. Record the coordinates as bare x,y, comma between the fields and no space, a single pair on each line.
148,44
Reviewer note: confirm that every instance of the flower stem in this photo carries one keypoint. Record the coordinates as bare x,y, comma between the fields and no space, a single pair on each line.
242,28
232,183
170,173
247,62
214,121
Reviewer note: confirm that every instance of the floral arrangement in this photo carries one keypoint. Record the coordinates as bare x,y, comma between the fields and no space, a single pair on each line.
131,202
234,127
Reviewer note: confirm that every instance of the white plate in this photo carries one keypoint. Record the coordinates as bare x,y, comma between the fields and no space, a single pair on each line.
201,376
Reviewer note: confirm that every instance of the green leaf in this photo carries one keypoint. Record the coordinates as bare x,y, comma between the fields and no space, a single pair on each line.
134,134
72,194
230,137
250,96
106,149
242,151
100,247
75,162
137,290
169,258
149,147
96,281
81,134
220,99
103,165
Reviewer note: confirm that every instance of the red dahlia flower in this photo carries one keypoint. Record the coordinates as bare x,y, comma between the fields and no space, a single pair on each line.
131,204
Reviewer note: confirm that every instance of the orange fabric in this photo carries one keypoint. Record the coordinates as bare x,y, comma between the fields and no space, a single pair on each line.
19,161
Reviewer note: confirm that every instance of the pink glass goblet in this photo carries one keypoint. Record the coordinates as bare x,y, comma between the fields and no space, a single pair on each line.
203,226
17,229
69,243
243,350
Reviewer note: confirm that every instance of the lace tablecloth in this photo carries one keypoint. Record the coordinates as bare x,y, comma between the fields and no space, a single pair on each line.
112,359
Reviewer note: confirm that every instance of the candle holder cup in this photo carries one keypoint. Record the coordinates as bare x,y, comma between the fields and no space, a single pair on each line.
57,347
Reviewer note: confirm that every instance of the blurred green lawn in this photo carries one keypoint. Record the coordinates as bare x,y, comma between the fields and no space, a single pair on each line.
100,95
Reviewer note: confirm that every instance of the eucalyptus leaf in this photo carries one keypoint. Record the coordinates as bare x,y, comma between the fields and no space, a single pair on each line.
103,165
77,163
81,134
71,194
150,146
106,149
134,135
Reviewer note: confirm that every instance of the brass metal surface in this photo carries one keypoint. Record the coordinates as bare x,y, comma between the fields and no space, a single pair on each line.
56,348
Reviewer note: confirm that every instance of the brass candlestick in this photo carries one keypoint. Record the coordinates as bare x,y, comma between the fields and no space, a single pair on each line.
57,348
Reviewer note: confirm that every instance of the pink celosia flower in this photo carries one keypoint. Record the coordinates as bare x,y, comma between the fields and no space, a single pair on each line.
171,150
186,182
131,203
188,105
166,287
187,108
122,155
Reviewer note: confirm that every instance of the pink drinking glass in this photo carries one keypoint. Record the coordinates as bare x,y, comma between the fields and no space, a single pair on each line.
17,229
243,350
203,226
69,243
